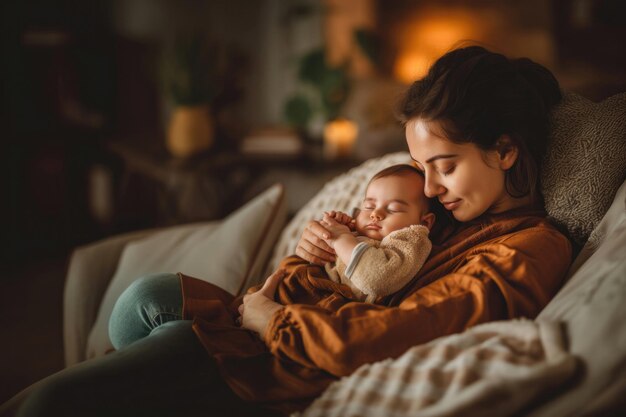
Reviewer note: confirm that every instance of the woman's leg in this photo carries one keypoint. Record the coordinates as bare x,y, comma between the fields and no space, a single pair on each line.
167,373
147,303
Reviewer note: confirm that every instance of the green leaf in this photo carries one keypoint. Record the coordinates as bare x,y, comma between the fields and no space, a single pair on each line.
369,43
298,111
313,67
190,71
331,83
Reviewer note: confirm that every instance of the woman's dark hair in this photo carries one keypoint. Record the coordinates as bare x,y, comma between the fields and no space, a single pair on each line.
477,96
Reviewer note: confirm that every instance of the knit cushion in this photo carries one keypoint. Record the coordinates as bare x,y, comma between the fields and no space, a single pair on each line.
585,163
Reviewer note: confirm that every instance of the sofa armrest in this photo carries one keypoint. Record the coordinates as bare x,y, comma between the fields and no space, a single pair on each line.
90,269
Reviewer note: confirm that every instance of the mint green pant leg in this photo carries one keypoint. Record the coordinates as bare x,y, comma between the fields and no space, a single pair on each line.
149,302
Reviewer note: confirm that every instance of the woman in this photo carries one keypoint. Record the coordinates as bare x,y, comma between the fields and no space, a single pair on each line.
476,126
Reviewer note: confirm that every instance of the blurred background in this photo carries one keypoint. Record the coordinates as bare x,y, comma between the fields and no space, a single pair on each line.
120,115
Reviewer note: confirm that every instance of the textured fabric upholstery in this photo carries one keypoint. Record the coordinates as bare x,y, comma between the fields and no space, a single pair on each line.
585,162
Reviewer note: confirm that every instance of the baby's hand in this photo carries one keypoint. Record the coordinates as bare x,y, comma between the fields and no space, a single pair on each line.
341,218
334,228
339,236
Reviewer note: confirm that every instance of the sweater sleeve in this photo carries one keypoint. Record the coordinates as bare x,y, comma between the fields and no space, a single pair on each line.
385,269
511,278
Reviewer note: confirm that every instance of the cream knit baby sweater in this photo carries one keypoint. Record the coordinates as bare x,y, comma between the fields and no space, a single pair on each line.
379,268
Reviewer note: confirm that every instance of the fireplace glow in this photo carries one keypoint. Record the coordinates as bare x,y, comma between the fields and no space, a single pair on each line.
428,35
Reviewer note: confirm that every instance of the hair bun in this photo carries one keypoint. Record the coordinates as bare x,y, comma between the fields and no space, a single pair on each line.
541,79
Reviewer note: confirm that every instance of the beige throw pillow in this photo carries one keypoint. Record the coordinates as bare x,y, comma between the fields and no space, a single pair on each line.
585,163
231,253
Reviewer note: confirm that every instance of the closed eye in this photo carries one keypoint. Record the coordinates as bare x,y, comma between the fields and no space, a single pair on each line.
448,171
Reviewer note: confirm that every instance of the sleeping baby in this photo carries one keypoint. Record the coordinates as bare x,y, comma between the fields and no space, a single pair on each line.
386,244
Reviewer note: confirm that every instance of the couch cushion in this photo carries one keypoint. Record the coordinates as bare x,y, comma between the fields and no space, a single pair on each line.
592,306
585,162
231,253
343,193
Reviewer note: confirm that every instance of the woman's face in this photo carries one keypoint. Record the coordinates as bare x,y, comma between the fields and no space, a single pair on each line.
465,179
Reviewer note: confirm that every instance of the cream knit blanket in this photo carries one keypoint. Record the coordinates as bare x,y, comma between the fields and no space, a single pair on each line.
493,369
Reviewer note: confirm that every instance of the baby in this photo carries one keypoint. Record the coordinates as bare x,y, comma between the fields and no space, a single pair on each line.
390,242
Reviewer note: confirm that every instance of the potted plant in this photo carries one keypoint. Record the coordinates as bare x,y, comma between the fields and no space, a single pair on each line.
322,91
190,71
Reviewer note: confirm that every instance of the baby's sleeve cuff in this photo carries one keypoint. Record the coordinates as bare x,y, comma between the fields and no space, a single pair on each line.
357,252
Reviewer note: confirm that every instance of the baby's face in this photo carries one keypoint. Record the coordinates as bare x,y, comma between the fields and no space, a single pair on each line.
392,203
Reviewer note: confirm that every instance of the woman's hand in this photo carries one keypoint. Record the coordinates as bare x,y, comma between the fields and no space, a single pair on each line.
259,307
312,246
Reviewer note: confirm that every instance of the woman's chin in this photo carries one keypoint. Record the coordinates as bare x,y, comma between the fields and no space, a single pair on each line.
457,218
462,215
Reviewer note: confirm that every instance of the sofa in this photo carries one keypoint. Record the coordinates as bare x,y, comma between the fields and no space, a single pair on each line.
585,195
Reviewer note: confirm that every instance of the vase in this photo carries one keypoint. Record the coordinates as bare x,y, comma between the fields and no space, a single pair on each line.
191,131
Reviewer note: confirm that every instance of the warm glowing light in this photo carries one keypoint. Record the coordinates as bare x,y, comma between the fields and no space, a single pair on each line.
429,36
412,66
442,34
339,138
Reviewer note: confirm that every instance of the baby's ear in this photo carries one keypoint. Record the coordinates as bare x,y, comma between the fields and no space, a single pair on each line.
355,212
428,220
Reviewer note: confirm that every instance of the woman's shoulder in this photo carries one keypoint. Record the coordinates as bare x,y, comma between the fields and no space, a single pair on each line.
523,224
532,228
520,239
530,235
527,222
520,228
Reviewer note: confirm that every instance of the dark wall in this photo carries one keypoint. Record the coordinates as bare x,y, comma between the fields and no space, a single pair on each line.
58,102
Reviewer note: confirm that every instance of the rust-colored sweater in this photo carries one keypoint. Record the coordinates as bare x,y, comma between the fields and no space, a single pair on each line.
495,267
